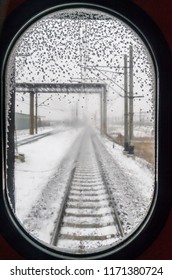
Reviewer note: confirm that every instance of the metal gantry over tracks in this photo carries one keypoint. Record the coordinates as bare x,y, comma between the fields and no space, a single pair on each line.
87,88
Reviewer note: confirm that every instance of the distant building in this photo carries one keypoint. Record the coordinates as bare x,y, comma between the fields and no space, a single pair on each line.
21,121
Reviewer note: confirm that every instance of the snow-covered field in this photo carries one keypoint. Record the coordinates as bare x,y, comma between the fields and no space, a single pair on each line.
39,190
24,133
41,161
139,131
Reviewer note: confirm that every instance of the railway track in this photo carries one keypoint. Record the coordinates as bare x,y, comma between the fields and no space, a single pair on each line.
88,219
33,138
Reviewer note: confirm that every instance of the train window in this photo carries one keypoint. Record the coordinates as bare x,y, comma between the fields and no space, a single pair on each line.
81,147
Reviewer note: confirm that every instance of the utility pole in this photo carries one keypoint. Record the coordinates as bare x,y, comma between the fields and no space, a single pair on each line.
131,146
126,144
76,110
31,112
36,112
101,113
81,51
104,112
140,117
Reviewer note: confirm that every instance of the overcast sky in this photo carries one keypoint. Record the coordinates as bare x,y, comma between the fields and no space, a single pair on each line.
82,45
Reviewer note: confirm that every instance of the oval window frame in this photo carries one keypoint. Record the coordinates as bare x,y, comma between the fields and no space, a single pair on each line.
153,223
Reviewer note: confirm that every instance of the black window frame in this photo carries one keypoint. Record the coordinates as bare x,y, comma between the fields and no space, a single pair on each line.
128,12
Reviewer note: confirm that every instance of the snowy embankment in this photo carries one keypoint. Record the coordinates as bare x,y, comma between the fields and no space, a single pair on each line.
41,160
139,130
24,133
131,180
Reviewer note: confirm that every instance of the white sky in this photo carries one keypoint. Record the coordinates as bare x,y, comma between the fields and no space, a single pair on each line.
74,47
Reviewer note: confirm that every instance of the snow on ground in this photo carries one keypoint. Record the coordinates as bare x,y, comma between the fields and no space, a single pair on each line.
131,180
139,130
24,133
40,181
41,160
138,169
143,131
